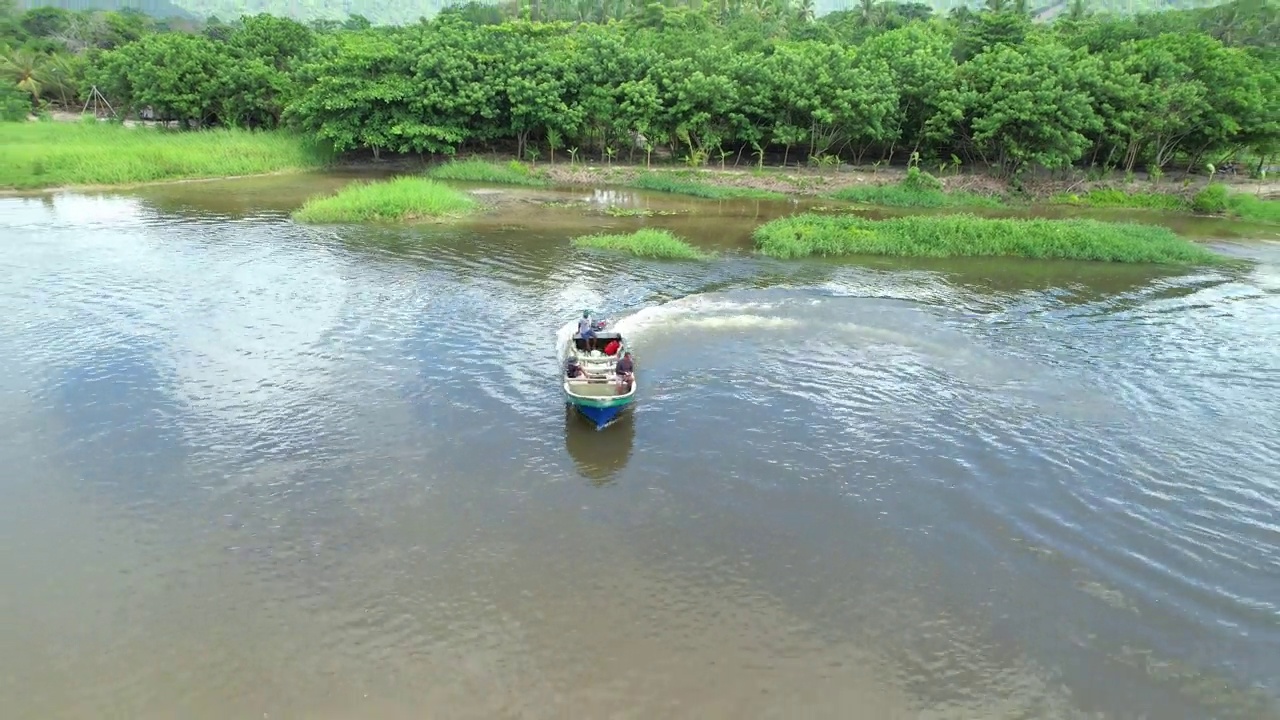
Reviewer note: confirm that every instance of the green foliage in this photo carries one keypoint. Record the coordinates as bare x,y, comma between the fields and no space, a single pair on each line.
701,83
913,194
648,242
1212,199
665,182
404,198
1254,209
921,181
14,103
966,235
474,170
1215,199
1112,198
52,154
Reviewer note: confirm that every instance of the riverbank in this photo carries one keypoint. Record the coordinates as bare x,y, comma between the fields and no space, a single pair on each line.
36,156
47,155
889,187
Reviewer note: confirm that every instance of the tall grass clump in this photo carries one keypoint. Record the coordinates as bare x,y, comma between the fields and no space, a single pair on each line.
404,198
647,242
967,235
661,182
918,189
1249,207
476,170
52,154
1113,198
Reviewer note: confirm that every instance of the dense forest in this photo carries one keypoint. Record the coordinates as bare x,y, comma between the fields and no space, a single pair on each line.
714,84
393,12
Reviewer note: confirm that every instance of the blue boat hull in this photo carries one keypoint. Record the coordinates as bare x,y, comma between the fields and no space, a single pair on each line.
601,416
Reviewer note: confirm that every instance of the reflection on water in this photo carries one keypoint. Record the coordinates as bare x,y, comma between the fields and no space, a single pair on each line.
599,454
259,469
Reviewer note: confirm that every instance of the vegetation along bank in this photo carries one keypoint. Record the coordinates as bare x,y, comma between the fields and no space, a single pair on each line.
1014,93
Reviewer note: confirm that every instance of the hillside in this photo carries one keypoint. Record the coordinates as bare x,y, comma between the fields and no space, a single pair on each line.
154,8
408,11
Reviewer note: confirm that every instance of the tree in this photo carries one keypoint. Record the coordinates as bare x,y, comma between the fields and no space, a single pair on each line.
1026,106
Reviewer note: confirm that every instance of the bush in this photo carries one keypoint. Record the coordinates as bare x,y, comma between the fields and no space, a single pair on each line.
15,104
1212,199
918,179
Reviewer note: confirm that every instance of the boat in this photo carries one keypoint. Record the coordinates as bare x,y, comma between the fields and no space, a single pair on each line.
599,397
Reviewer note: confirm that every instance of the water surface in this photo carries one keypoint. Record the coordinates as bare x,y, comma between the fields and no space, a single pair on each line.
260,469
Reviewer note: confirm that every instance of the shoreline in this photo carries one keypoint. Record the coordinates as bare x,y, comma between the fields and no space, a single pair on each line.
98,187
789,183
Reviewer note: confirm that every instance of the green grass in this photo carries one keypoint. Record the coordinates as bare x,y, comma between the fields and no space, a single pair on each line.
663,182
909,197
647,242
54,154
1211,199
969,236
475,170
1111,198
918,189
404,198
1251,207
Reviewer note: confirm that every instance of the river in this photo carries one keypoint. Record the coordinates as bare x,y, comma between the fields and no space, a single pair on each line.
260,470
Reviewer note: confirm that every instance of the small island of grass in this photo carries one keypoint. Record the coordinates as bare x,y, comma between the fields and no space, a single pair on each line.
35,155
647,242
476,170
404,198
966,235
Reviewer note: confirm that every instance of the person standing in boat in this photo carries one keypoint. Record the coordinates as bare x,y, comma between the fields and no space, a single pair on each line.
587,331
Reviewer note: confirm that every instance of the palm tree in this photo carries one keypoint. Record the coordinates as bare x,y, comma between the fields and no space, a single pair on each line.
23,68
870,17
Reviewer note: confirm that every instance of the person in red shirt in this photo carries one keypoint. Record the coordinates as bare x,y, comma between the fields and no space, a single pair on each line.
612,347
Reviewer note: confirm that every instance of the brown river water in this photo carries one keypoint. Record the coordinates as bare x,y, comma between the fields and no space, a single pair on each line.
253,469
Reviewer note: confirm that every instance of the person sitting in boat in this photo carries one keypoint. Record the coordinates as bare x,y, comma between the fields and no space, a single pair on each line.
625,370
574,370
587,330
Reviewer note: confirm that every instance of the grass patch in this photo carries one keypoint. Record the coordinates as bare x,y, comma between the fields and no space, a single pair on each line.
476,170
1111,198
918,189
53,154
908,197
1250,207
661,182
648,242
404,198
970,236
